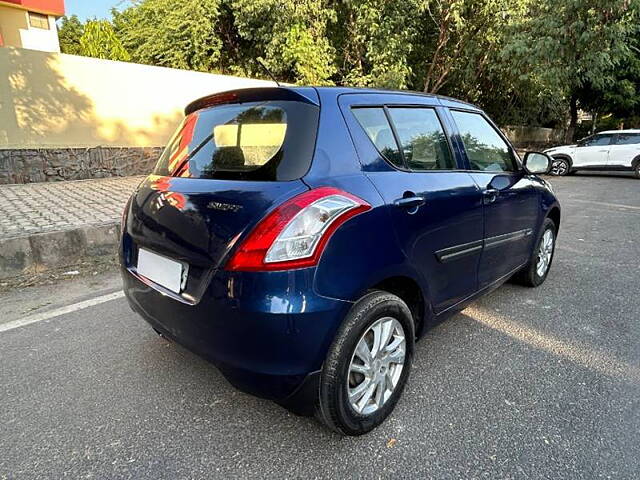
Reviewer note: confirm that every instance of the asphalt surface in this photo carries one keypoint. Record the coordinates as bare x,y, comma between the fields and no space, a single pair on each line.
526,383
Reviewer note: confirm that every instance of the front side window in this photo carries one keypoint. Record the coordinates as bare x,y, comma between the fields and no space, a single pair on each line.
375,124
485,148
422,139
272,141
37,20
595,141
628,139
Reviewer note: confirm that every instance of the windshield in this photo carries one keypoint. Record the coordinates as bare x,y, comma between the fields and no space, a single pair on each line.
584,140
271,140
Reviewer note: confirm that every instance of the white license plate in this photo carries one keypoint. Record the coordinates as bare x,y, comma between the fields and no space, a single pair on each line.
161,270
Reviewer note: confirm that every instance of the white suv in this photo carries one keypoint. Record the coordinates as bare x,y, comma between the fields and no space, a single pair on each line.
610,150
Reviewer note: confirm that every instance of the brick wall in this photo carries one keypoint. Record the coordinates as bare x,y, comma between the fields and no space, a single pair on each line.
56,164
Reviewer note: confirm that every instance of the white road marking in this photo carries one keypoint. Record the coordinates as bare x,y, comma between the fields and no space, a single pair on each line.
39,317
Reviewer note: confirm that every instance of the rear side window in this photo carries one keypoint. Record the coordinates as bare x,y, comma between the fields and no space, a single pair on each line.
423,144
270,141
422,139
374,122
627,139
486,150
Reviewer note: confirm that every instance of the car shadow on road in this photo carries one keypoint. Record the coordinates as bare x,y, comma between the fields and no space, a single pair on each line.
213,394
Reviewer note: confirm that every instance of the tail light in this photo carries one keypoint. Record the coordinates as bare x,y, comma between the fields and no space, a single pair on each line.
296,232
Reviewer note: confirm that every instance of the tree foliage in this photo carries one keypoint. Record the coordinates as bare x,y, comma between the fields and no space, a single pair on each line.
524,61
99,40
575,44
290,35
171,34
375,40
69,33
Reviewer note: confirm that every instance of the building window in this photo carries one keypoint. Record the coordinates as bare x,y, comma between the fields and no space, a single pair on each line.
37,20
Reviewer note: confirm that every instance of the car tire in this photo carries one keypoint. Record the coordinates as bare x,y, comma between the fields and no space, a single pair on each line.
531,275
560,167
636,170
343,372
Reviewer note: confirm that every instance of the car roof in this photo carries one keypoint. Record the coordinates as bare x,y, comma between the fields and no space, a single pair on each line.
629,130
307,94
381,91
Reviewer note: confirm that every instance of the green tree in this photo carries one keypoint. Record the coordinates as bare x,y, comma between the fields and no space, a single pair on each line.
621,98
228,36
69,33
374,40
99,40
291,36
171,34
572,43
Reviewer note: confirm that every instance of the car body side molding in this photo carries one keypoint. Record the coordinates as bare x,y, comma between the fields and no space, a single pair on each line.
498,240
458,251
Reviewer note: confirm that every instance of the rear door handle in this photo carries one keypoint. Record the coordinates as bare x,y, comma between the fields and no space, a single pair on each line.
410,202
490,195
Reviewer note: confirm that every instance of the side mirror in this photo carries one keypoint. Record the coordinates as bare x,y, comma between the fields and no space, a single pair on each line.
536,162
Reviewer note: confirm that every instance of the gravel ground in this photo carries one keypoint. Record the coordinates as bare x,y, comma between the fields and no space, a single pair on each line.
526,383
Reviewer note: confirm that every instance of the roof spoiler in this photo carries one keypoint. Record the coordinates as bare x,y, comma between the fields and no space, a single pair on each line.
303,94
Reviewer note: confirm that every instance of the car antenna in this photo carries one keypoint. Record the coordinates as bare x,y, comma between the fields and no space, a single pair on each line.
263,65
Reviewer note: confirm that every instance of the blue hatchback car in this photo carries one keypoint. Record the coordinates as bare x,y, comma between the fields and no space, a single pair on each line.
302,239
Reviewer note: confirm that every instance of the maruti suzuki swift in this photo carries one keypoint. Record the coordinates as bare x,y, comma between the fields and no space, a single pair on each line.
303,238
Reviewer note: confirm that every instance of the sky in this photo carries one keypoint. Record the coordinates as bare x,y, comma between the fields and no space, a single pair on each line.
92,8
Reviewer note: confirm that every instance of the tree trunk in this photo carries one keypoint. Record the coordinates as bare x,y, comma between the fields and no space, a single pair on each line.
594,122
574,119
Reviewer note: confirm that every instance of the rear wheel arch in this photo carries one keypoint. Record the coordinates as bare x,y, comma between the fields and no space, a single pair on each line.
335,406
409,291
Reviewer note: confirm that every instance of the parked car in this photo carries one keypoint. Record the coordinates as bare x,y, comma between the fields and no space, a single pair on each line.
301,239
613,150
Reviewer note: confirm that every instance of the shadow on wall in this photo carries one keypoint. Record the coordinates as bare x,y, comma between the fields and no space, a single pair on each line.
40,108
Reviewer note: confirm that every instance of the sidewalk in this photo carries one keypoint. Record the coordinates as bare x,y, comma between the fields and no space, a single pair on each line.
44,225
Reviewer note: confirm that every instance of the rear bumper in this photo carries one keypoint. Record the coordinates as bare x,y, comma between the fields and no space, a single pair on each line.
268,333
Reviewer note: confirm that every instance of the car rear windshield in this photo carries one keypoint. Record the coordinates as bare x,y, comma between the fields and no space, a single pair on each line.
268,140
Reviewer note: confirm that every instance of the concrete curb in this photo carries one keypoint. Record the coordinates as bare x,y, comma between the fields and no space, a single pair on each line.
42,251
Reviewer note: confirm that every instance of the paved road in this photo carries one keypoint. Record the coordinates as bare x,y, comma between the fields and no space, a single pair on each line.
526,383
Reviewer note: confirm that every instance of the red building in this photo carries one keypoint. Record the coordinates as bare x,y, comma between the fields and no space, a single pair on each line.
30,24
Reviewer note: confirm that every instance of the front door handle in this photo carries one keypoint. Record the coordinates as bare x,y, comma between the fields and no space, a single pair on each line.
490,195
410,202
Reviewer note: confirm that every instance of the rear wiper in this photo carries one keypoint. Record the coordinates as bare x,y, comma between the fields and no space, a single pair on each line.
180,167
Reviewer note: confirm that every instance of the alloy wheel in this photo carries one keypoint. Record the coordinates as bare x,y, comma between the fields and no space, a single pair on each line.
545,251
376,365
559,167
